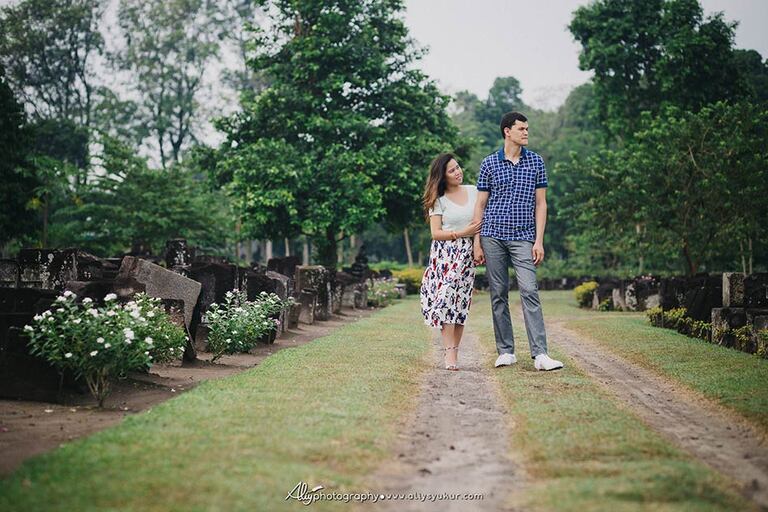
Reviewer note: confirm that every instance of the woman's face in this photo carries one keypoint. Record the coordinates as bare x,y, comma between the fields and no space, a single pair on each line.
454,176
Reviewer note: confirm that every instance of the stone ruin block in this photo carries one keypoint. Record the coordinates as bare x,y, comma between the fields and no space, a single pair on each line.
641,293
756,290
617,296
604,291
698,294
308,302
293,316
285,266
51,269
356,296
178,254
10,273
317,279
137,275
23,376
733,289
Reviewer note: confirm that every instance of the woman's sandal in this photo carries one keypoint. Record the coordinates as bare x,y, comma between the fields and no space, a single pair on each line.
451,367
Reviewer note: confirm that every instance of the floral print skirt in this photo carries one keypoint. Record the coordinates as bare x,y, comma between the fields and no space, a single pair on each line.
446,288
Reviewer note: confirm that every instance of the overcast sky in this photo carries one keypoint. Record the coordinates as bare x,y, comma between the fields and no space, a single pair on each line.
472,42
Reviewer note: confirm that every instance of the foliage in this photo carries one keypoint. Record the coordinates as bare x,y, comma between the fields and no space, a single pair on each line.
169,46
238,324
99,343
411,278
46,47
18,181
131,203
647,55
344,132
677,319
762,343
382,292
584,293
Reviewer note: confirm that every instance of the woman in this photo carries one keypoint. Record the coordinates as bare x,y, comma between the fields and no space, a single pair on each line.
446,288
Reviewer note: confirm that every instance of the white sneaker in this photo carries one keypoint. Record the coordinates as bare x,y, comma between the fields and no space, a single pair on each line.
505,360
546,363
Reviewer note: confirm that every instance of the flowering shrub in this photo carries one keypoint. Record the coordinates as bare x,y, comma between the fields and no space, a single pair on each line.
584,292
238,324
383,292
411,278
98,343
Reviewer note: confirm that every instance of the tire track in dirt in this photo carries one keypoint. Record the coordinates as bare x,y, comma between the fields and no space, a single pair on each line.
456,440
728,445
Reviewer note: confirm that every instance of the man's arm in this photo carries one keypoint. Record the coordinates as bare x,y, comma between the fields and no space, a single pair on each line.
481,202
541,222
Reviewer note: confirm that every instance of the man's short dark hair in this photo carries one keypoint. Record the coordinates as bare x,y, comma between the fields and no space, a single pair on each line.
509,119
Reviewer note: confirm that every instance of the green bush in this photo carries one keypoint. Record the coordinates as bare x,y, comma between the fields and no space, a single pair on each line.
238,324
411,278
762,343
655,316
101,343
584,293
383,292
678,320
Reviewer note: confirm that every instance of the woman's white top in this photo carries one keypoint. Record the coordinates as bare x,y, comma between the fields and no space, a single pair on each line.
455,216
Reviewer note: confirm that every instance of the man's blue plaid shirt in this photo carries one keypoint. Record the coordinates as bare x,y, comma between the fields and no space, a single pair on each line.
509,214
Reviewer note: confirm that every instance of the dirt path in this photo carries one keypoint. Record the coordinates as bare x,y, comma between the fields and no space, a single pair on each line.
706,431
30,428
455,442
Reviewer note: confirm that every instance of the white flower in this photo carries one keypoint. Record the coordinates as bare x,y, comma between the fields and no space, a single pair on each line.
128,333
68,355
146,352
107,345
94,312
47,313
228,340
77,321
69,294
87,300
50,319
150,314
99,340
61,298
135,313
109,297
127,341
94,352
28,328
111,313
38,317
148,340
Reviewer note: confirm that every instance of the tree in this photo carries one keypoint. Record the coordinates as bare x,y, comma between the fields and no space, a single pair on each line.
47,47
132,203
169,47
18,182
646,55
343,134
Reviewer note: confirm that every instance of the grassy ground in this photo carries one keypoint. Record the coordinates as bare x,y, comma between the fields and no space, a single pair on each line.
586,452
734,379
322,413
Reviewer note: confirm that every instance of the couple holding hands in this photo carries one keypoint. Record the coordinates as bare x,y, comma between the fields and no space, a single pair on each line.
498,222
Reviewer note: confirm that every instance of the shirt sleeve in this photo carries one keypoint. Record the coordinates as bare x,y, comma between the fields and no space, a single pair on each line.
484,180
437,209
541,175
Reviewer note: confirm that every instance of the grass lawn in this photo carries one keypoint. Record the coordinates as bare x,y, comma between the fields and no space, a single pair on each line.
584,451
732,378
322,413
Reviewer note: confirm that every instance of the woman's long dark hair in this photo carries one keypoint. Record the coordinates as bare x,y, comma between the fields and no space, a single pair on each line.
435,186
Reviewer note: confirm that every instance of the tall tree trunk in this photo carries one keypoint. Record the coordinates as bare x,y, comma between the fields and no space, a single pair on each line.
268,251
688,260
743,259
326,249
408,247
749,240
238,248
287,247
305,254
45,221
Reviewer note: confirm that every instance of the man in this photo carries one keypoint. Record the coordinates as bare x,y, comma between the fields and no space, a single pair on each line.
512,204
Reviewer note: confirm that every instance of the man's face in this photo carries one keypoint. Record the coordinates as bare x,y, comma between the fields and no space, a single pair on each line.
518,133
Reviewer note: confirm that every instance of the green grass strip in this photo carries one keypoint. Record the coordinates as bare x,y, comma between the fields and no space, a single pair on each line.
585,451
323,413
734,379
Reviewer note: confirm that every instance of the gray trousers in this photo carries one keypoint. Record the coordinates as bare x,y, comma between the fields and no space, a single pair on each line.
498,254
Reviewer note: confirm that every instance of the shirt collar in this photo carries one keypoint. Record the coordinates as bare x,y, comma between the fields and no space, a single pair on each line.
501,157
